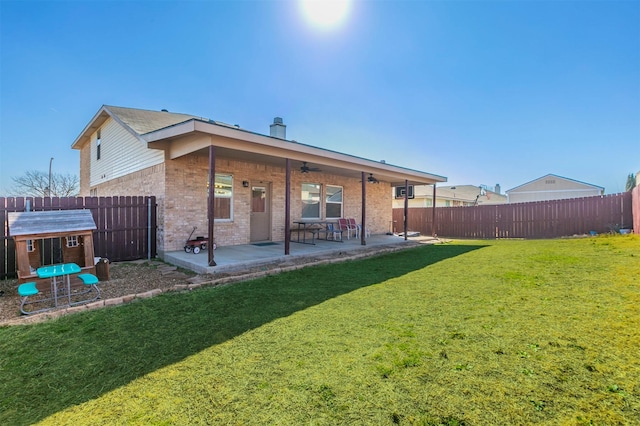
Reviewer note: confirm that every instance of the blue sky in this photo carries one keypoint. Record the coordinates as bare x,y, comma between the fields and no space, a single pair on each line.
482,92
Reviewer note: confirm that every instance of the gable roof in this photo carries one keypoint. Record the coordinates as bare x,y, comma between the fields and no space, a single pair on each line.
182,134
136,121
552,176
145,121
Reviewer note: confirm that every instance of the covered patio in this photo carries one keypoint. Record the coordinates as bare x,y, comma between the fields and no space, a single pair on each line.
277,172
270,255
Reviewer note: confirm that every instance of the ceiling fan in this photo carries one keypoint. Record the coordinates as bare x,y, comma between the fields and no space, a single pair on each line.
372,179
306,169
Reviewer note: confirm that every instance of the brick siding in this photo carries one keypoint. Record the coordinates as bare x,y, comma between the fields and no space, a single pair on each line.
180,186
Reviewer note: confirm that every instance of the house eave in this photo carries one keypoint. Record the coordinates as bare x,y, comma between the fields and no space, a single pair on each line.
96,122
194,135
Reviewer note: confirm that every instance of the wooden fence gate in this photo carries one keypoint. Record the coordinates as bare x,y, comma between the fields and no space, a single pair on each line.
541,219
126,227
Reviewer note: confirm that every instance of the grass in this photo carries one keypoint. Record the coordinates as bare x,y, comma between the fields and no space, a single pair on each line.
472,333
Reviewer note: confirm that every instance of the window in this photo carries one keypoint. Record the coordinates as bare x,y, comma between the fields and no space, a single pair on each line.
311,200
223,198
72,241
98,142
333,202
30,246
258,199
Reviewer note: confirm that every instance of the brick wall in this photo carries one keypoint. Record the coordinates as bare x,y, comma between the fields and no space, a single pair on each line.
85,171
186,200
182,198
149,181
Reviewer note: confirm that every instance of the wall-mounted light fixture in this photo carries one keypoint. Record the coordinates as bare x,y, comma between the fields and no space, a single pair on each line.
245,183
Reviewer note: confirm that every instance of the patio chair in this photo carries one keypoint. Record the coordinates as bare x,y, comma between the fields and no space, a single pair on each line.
334,231
367,233
345,227
356,227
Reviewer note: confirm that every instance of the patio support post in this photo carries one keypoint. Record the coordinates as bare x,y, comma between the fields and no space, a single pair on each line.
210,203
287,206
433,213
363,221
406,208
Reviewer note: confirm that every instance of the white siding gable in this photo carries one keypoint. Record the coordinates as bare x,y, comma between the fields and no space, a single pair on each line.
121,153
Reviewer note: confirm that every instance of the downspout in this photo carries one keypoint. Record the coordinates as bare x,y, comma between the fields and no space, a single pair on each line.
406,208
287,206
210,203
363,240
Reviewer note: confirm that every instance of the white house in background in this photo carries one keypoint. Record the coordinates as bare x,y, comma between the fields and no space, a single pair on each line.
449,196
552,187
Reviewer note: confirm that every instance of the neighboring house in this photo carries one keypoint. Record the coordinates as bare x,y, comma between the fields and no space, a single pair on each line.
125,151
552,187
449,196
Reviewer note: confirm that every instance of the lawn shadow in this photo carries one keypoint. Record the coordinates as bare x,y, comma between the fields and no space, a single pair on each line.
79,357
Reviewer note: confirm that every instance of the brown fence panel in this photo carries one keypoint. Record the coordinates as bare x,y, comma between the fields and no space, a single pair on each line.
126,227
542,219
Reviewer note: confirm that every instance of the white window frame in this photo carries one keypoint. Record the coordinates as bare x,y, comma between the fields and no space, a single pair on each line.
327,202
72,241
224,190
310,200
98,144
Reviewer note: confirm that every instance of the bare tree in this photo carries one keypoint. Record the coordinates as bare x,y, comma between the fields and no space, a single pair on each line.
631,182
35,183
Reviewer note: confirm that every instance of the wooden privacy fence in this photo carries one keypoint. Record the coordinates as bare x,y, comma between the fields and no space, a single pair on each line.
635,196
126,227
541,219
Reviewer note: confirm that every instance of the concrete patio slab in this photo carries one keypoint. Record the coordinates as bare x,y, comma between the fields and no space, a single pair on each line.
244,257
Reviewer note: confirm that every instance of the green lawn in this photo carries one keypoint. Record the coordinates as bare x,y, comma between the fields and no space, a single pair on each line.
473,333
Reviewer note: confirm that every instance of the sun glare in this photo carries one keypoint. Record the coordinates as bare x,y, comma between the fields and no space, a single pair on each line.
325,13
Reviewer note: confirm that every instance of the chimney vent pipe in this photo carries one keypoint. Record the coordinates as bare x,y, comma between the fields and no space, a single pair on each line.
278,129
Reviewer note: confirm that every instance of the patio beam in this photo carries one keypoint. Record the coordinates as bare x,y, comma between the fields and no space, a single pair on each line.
433,213
210,203
287,206
406,208
363,219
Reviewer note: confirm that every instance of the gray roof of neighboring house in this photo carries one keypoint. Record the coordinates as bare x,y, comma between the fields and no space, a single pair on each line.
465,193
469,193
